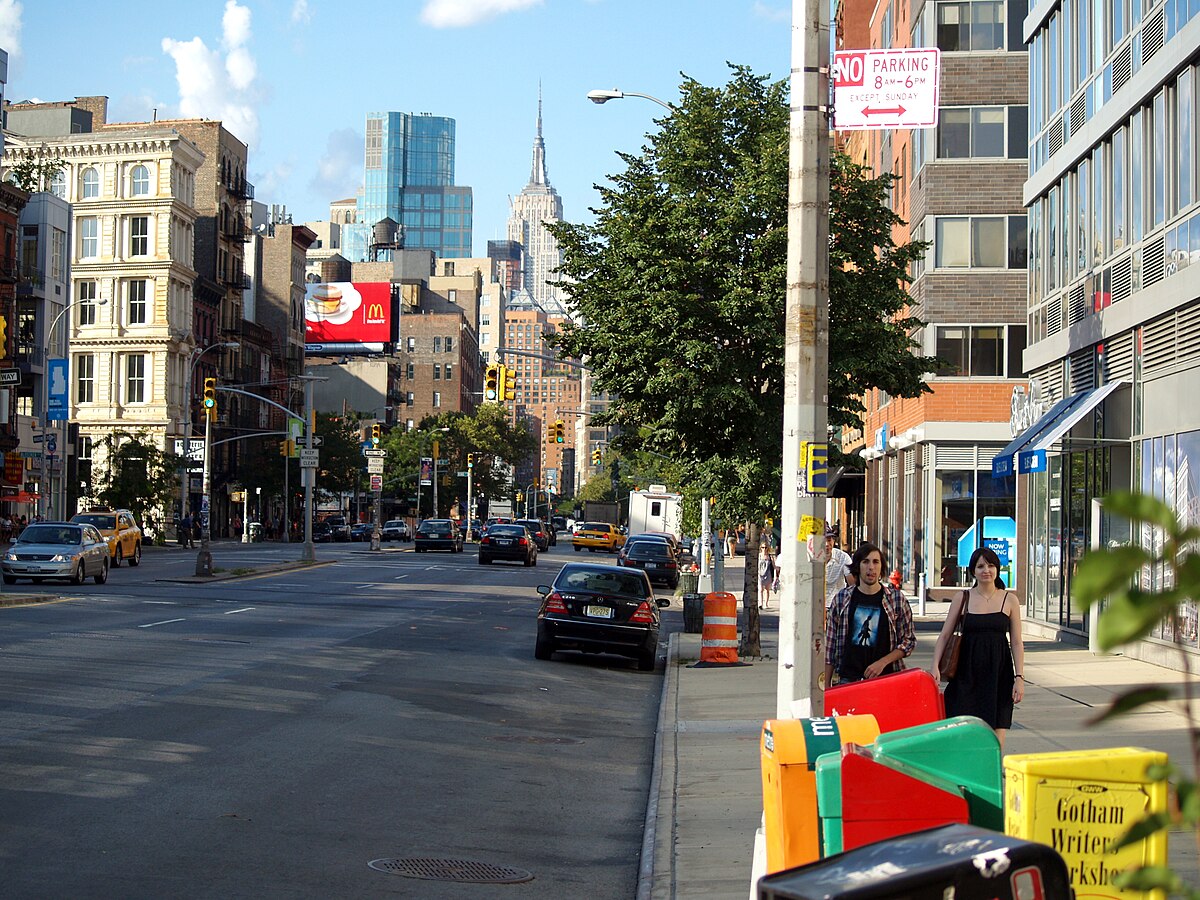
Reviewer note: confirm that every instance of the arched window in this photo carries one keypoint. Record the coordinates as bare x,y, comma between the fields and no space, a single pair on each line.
58,184
90,184
139,181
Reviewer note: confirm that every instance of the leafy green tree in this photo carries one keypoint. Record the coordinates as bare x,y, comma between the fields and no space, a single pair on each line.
34,175
1113,577
130,472
341,454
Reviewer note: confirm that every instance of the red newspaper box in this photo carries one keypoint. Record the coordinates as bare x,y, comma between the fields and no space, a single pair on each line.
900,700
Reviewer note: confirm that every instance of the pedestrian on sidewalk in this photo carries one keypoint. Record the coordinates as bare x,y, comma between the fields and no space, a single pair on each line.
766,573
185,531
990,677
869,630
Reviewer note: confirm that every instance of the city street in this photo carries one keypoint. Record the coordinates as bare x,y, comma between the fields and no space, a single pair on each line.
272,735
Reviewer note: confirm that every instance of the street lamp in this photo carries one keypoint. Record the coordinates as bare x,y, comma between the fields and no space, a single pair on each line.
187,418
42,485
602,96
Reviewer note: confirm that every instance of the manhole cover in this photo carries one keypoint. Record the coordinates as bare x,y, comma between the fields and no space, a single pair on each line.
467,871
531,739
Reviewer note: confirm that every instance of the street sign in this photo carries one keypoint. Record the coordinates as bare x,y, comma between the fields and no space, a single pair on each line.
309,458
374,466
377,482
51,444
38,438
374,454
316,440
10,376
886,88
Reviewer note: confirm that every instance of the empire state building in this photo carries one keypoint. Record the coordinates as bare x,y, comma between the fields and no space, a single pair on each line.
537,204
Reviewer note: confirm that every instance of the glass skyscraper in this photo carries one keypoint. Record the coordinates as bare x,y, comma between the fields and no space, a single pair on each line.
408,176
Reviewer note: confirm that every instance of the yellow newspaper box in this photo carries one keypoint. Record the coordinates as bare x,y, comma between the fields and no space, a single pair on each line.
790,748
1079,803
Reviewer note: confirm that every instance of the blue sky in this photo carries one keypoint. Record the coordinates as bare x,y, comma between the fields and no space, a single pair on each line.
295,78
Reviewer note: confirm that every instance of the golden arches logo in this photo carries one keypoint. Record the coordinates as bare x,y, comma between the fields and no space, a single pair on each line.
375,311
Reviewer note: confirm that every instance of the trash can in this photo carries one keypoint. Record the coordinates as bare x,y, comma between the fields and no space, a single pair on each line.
961,861
689,582
255,532
693,613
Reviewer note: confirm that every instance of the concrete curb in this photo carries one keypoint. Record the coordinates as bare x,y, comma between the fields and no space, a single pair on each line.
645,885
254,573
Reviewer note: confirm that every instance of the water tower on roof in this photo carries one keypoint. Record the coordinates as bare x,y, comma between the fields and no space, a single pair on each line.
386,235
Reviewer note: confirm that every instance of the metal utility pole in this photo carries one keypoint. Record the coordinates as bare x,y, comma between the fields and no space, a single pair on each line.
308,475
800,687
470,494
435,491
204,557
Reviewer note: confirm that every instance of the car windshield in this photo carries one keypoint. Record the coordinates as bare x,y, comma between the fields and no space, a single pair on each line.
649,550
506,531
50,534
603,581
394,523
532,526
594,526
100,520
434,528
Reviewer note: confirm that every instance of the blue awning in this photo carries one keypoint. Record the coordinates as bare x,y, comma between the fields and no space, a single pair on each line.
1045,432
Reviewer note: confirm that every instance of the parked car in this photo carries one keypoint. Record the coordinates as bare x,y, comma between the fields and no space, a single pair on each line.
599,609
656,558
597,536
70,550
339,527
322,533
540,531
437,534
511,542
119,529
676,544
634,539
361,531
396,530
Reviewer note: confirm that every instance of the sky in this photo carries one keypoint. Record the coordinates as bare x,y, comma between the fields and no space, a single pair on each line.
296,78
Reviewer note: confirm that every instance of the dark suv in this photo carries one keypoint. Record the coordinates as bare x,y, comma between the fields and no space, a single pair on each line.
339,528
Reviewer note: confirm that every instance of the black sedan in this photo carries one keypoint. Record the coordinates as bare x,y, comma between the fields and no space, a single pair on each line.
361,531
437,534
656,558
599,609
540,531
511,542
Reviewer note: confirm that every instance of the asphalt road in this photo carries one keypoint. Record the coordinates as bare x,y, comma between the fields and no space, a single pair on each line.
273,735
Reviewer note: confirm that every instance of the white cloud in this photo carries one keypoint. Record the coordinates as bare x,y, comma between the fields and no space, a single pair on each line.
273,182
461,13
216,87
10,27
339,170
772,13
301,14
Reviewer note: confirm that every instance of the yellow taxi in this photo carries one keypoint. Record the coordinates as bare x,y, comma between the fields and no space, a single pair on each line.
597,536
119,529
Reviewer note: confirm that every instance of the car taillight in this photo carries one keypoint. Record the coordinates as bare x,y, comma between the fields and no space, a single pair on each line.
486,540
555,604
671,564
643,614
524,542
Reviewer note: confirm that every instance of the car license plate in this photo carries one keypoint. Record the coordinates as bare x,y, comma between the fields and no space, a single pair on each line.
599,612
502,543
651,565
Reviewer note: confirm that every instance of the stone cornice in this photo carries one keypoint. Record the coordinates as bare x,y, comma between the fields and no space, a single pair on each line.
94,145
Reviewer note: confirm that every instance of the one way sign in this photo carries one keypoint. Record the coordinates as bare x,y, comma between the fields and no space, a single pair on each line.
886,88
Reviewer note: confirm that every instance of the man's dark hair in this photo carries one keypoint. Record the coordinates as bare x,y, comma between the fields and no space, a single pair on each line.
865,549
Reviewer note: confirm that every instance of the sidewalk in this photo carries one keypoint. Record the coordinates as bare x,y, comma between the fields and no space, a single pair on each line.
706,790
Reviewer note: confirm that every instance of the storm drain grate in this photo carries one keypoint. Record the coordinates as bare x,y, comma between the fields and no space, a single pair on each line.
531,739
466,871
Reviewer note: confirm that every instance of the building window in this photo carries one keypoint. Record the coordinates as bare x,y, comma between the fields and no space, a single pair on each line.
981,350
437,372
448,375
136,308
971,25
139,236
411,345
409,399
85,375
89,237
58,254
58,184
135,378
85,296
409,424
449,345
29,252
452,295
987,132
437,399
410,371
980,242
139,181
485,321
437,345
90,184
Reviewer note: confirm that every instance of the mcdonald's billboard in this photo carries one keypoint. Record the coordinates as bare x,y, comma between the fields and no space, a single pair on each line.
345,313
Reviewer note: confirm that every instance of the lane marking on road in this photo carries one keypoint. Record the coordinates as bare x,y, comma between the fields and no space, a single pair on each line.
398,577
166,622
161,602
235,611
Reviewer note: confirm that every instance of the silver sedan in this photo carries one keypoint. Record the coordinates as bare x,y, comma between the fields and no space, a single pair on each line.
57,550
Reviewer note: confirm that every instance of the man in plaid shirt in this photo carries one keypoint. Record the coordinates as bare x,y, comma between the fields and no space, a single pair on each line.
857,645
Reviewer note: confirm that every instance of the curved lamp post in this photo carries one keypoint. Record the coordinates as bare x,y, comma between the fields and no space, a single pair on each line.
602,96
42,485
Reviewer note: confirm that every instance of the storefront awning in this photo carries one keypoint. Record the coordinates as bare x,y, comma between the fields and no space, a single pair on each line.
1027,452
845,483
20,497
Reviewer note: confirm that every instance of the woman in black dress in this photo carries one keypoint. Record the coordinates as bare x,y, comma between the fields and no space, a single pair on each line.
991,662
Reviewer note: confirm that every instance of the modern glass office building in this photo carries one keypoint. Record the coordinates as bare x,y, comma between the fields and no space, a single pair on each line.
408,177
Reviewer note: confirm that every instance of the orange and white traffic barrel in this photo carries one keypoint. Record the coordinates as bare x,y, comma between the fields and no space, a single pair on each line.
719,640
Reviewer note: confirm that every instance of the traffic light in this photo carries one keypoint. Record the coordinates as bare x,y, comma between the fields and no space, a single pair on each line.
508,383
596,457
287,448
491,383
520,496
3,337
376,434
470,460
551,436
210,398
560,435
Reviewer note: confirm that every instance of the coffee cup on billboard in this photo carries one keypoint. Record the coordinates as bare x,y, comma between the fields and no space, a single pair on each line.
326,299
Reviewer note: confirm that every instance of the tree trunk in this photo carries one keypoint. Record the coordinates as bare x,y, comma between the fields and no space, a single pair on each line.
751,645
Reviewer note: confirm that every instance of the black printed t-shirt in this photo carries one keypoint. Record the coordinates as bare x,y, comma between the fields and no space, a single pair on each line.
868,636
